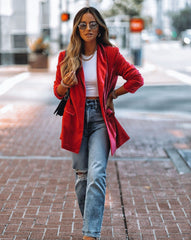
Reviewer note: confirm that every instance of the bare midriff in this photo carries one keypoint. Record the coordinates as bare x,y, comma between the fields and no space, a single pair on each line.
92,97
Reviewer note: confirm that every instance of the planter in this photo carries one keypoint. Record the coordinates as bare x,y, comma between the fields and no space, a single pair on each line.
38,61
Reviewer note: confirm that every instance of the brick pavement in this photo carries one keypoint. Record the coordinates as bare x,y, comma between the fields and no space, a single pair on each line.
149,137
38,201
146,197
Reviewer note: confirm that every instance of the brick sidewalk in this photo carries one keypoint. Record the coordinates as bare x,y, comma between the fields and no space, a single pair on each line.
157,200
38,201
37,198
29,130
146,197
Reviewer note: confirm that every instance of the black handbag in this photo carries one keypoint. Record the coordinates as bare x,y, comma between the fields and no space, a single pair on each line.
60,109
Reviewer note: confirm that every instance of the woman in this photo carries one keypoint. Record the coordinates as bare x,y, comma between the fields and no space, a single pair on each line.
89,68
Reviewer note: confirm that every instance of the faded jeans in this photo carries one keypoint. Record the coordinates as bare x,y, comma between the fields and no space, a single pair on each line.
90,166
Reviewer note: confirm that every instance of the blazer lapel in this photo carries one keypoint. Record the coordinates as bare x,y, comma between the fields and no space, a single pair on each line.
101,71
80,76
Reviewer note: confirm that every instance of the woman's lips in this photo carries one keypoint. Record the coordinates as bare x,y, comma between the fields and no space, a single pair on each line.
88,34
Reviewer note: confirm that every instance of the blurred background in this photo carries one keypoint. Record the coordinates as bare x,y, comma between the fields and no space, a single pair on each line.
44,26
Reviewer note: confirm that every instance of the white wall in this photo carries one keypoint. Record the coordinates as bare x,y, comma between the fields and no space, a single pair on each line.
32,17
6,7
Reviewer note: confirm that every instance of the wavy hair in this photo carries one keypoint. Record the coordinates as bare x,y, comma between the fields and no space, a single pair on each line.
72,61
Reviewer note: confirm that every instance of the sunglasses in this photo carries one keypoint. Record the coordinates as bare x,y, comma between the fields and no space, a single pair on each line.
83,25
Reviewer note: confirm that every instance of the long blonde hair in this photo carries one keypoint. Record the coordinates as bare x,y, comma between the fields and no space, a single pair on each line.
72,60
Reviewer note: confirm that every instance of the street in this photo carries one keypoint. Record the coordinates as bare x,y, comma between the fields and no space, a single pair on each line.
167,90
169,56
158,95
31,88
162,99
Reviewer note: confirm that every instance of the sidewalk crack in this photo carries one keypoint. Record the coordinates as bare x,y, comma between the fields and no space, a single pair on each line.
121,200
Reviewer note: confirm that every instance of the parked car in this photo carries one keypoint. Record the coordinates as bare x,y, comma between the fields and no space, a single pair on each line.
185,37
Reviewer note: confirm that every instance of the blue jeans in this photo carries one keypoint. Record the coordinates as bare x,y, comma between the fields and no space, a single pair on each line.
90,166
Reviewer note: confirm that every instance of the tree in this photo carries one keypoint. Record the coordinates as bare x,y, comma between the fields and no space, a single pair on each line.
125,7
181,20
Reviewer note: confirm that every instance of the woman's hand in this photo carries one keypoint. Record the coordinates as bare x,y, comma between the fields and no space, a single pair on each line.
69,80
109,103
113,95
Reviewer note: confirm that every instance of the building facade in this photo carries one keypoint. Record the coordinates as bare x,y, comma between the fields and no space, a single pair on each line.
19,21
24,21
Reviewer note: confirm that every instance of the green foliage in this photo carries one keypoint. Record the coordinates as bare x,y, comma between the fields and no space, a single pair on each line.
181,20
125,7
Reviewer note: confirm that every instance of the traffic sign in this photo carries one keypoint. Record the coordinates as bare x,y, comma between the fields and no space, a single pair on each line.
65,17
136,24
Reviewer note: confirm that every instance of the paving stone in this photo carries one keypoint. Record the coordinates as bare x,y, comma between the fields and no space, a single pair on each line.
145,193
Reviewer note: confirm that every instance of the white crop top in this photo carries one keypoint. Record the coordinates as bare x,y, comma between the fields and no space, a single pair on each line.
90,74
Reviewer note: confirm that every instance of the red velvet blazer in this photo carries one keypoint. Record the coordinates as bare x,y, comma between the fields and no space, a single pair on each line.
110,64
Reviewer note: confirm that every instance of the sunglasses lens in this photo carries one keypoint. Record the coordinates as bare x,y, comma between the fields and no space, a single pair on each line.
92,25
82,26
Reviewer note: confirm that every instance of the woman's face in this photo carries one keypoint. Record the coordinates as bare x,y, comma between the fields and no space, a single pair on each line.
88,28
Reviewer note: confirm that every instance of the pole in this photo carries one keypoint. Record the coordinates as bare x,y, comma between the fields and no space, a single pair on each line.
60,25
87,3
159,16
65,40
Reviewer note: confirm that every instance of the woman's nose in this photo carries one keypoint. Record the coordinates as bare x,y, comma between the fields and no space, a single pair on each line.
88,26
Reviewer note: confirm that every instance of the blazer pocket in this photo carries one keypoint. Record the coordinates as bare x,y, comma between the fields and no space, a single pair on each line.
69,109
70,112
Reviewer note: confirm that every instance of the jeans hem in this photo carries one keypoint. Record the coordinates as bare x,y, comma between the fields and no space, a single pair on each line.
80,170
95,235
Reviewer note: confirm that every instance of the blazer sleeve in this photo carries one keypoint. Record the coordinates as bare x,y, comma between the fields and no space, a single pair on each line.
133,78
58,77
